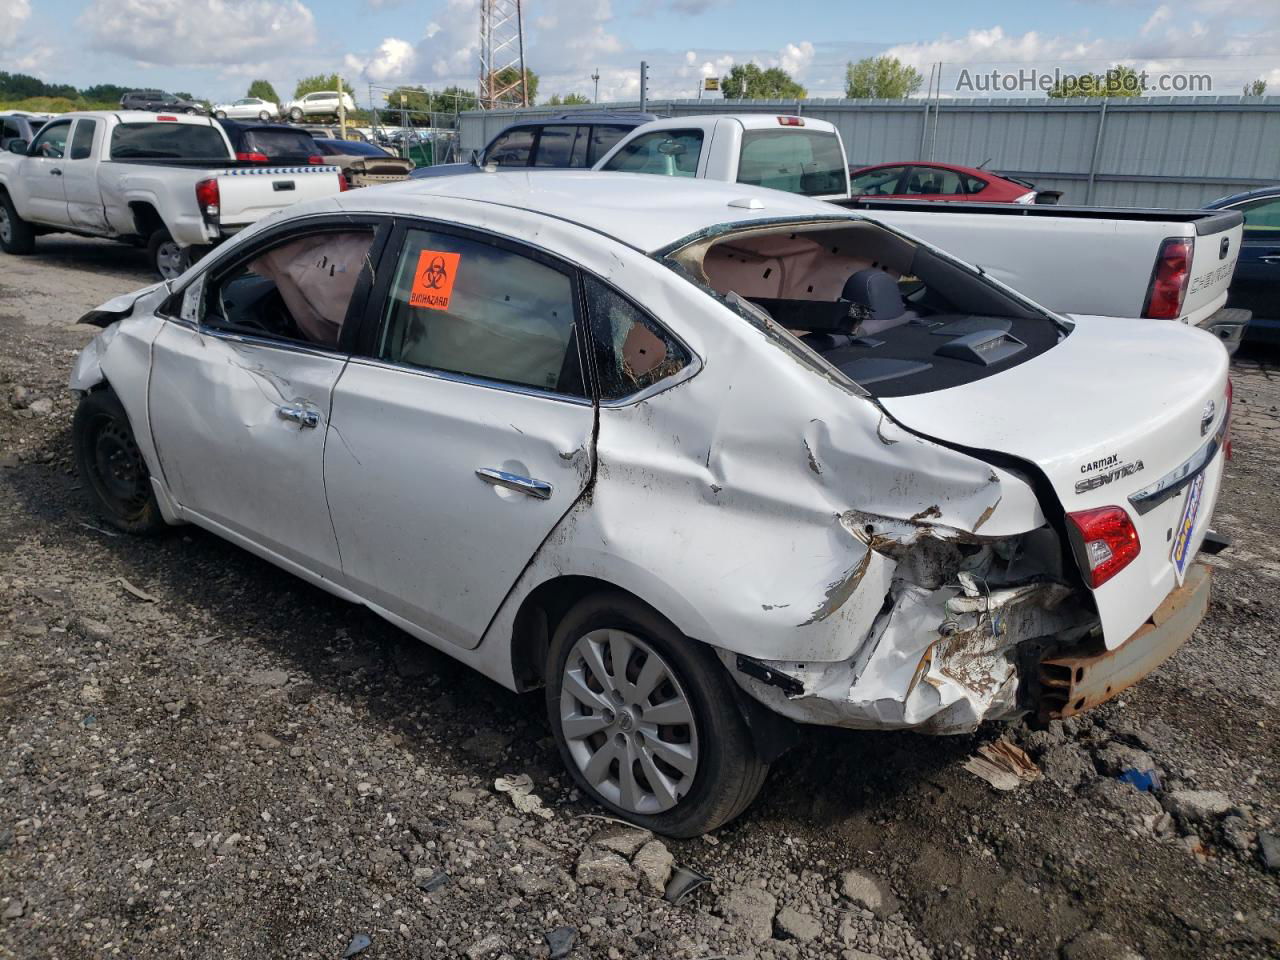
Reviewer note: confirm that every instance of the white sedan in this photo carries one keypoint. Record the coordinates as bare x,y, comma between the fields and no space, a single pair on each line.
247,108
705,461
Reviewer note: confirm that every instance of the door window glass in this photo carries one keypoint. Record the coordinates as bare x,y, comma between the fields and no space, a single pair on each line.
299,289
511,149
557,146
52,141
974,184
603,138
462,306
932,181
881,182
82,141
632,350
670,153
1262,217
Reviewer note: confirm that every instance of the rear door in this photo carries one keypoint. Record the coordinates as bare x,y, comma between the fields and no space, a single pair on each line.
463,431
80,176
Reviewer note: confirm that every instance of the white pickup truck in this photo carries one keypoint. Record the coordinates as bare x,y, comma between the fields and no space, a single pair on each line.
170,182
1081,261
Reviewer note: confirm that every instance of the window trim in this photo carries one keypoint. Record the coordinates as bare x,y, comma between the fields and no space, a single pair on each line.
52,125
364,349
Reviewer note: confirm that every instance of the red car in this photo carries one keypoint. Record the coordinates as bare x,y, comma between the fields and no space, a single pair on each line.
939,181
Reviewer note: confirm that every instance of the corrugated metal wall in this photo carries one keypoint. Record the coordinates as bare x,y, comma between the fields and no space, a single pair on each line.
1148,152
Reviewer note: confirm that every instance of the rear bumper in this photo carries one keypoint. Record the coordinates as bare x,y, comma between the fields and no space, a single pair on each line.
1081,681
1228,325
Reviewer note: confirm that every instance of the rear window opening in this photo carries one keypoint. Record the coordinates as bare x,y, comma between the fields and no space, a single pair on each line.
893,317
808,162
168,141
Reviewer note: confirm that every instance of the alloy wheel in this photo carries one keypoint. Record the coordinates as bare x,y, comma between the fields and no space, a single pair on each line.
6,225
171,260
628,723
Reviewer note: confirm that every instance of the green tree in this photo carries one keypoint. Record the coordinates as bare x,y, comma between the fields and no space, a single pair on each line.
263,90
747,81
455,100
881,78
183,95
321,81
1119,81
1255,88
104,93
509,76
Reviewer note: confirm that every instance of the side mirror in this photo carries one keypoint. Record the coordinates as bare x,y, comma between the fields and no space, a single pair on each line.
18,146
671,148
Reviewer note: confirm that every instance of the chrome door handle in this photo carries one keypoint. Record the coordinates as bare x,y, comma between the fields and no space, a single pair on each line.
55,172
513,481
304,418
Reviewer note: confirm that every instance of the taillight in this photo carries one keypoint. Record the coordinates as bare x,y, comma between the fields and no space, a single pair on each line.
315,158
1109,542
167,119
343,186
1169,279
253,157
208,198
791,121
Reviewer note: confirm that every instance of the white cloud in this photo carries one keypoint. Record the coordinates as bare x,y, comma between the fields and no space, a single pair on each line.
796,57
1161,14
392,62
198,33
13,13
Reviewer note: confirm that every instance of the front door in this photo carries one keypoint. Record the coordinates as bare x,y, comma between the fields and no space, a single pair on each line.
1256,285
240,402
463,434
42,174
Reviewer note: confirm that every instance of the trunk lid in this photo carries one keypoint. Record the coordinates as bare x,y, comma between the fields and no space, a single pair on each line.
1120,413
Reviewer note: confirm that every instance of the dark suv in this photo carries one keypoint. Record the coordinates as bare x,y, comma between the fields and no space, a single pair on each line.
19,127
157,101
570,140
271,143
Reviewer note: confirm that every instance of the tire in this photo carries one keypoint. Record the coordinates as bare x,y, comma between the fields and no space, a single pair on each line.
16,235
719,773
264,116
111,467
220,114
167,259
295,115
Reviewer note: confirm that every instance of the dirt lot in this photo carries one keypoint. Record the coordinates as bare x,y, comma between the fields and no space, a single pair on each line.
204,757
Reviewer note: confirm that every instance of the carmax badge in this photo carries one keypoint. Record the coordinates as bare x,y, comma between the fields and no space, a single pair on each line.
1102,479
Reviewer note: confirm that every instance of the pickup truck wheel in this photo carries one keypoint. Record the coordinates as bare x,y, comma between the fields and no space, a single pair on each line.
646,719
111,466
16,235
295,115
168,259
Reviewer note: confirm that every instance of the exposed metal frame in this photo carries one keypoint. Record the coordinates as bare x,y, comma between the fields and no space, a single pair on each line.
502,50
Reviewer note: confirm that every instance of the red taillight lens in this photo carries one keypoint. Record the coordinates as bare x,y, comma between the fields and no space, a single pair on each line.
343,186
315,158
1109,541
208,198
253,157
791,121
167,119
1169,279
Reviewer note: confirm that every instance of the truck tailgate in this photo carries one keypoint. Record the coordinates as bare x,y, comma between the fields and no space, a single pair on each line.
1213,263
247,195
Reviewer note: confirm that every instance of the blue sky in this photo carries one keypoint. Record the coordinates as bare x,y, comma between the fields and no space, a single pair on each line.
213,48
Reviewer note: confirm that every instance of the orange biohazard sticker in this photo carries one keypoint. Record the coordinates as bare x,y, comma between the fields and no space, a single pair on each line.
433,279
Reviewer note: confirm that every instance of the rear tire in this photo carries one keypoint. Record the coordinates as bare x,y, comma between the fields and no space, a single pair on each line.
220,114
264,116
16,235
168,259
692,763
111,466
295,115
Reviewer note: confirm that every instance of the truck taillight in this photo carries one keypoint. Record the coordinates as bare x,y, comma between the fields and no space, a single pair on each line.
252,157
208,198
791,121
343,185
1169,279
167,119
315,158
1108,541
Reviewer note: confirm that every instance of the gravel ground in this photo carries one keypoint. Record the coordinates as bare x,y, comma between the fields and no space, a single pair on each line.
204,757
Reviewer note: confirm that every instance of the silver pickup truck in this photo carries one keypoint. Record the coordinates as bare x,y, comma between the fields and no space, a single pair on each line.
169,182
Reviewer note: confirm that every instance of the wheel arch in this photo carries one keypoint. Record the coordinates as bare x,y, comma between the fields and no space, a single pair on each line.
146,218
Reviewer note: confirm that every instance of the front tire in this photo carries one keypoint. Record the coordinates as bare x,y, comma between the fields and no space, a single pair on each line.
646,719
220,114
111,467
264,116
168,259
16,235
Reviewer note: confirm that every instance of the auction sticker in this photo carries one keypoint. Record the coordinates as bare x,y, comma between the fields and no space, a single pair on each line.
433,279
1186,526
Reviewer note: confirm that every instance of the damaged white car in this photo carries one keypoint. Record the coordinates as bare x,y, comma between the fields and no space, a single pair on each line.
701,459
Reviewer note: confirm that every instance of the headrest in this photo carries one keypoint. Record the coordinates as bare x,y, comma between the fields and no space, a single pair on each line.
877,291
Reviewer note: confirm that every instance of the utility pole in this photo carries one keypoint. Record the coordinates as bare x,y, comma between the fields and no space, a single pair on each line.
342,113
644,85
595,77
